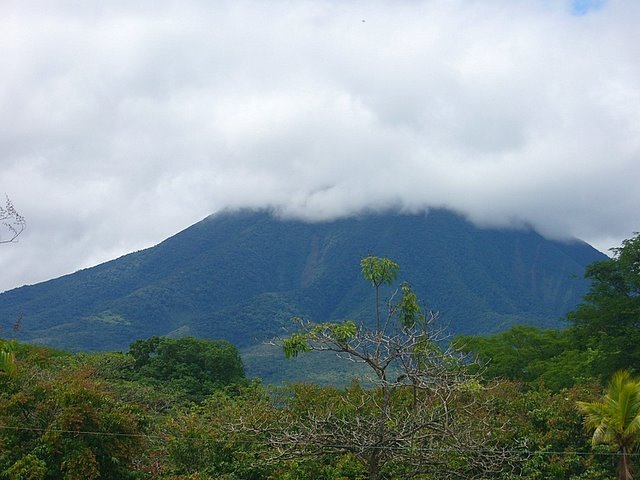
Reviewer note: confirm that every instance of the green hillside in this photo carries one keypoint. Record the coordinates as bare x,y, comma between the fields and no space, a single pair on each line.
241,276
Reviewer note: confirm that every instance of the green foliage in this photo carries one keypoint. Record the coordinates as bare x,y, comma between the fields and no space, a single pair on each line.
141,350
48,414
608,321
482,280
149,430
86,416
615,420
379,270
404,423
269,363
28,467
205,441
530,354
547,429
50,401
409,308
342,332
295,345
327,467
197,367
8,357
300,342
604,335
229,437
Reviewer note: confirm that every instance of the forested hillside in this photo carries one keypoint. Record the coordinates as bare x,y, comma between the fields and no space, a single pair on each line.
242,276
182,409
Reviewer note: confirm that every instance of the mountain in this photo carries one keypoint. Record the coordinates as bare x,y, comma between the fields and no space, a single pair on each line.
241,276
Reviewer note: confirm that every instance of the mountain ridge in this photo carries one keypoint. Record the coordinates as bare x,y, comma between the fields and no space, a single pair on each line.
242,275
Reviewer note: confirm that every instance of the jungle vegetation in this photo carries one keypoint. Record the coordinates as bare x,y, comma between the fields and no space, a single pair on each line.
527,403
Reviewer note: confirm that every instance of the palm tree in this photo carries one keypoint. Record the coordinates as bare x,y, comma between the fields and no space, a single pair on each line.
7,359
616,419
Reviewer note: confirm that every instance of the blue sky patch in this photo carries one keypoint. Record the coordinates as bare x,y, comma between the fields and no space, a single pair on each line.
582,7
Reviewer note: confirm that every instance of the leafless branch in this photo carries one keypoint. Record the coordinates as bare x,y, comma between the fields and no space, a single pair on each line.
421,411
13,222
425,413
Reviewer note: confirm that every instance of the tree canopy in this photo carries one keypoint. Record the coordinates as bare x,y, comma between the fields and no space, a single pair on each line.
615,419
196,366
608,321
419,413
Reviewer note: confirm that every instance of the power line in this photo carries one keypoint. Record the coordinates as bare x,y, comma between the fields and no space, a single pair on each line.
80,432
327,446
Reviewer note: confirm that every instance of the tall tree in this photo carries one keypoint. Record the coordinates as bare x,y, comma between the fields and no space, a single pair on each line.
420,417
616,419
608,321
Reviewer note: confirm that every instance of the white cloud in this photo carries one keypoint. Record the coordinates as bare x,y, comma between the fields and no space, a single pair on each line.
121,122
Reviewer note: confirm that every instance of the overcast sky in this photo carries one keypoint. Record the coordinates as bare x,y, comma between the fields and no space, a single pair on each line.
123,122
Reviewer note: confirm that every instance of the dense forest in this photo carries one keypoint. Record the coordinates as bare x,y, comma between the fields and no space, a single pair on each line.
240,276
527,403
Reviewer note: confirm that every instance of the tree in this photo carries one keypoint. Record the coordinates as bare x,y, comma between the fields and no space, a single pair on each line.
608,321
420,418
202,444
8,357
546,432
532,355
13,222
379,271
616,419
60,421
197,367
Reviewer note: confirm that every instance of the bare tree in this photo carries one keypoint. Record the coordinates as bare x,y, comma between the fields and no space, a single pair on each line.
422,415
12,221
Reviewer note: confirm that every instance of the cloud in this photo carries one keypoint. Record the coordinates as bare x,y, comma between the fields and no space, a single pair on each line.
122,123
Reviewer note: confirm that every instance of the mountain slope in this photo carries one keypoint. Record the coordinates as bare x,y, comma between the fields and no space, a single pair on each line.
241,276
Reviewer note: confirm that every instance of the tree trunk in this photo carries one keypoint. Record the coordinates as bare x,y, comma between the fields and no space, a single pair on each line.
624,466
374,465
